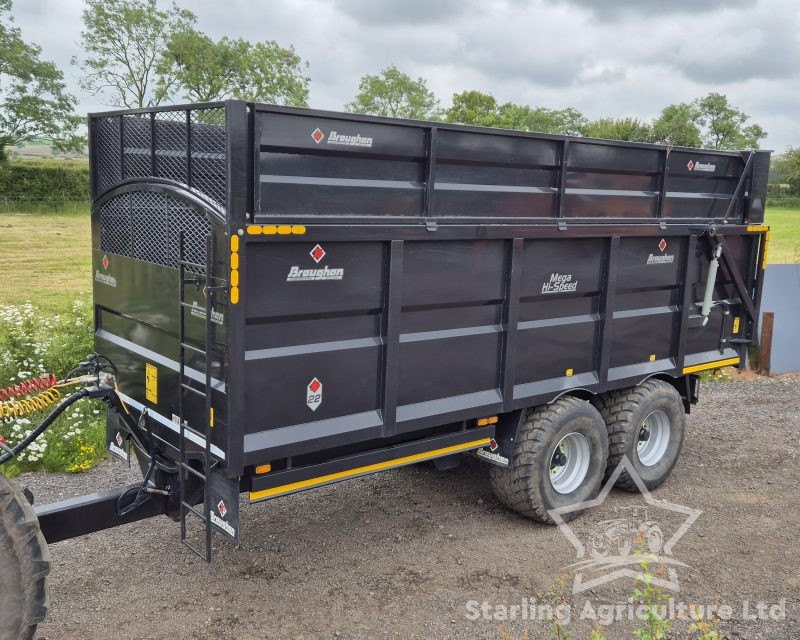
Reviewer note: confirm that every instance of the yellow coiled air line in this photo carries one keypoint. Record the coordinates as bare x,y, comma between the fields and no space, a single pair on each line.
24,406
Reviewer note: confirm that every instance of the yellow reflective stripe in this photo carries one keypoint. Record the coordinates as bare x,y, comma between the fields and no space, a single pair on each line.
758,227
711,365
378,466
765,251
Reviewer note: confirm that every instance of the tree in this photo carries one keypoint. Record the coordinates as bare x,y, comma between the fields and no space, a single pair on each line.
629,129
786,168
34,102
567,121
725,125
206,70
394,94
474,108
266,72
678,125
197,65
123,41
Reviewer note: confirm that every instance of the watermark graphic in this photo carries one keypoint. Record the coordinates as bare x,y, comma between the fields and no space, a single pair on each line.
614,549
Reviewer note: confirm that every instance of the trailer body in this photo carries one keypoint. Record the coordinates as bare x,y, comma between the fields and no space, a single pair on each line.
385,291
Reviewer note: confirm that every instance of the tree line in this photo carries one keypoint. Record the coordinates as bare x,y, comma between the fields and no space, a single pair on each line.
136,54
710,121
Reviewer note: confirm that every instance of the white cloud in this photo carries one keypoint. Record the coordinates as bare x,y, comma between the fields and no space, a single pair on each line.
627,58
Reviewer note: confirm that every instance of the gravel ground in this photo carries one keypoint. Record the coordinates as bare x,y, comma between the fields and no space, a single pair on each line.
400,554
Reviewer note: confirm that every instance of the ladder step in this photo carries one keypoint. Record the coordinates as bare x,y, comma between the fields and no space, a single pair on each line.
205,556
218,348
194,472
190,509
188,263
193,348
197,392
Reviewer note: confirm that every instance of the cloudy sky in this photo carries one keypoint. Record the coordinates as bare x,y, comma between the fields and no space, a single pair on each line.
605,57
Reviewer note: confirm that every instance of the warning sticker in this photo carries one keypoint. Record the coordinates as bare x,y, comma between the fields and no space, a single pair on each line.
151,383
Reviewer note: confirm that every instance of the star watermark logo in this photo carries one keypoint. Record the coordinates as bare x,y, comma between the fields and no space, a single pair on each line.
617,546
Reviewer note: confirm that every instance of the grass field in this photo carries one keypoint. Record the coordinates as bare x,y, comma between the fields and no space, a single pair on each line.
46,256
784,244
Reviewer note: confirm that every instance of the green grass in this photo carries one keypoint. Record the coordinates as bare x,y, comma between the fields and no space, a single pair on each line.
46,257
784,243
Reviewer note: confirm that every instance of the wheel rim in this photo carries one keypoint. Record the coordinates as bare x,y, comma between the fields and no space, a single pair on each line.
653,438
569,463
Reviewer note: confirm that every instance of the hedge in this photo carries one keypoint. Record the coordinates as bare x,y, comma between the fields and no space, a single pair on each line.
29,182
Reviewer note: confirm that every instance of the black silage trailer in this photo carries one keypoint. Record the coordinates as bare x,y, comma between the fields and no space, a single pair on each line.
293,297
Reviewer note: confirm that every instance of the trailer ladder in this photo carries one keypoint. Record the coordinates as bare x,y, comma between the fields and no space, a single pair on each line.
192,273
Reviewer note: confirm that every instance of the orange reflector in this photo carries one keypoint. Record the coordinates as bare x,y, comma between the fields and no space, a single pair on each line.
298,229
234,278
254,230
483,422
234,261
264,468
493,420
270,229
234,244
234,295
284,230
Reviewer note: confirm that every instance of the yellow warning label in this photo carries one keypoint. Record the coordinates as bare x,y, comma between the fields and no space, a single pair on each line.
151,383
736,322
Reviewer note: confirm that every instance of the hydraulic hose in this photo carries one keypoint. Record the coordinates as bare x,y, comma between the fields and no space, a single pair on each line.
24,444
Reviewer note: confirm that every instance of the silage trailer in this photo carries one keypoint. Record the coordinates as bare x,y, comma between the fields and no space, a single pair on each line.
286,298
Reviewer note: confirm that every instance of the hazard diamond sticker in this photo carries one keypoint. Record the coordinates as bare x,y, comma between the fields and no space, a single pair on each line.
690,165
105,262
314,394
662,245
318,253
222,508
317,135
119,439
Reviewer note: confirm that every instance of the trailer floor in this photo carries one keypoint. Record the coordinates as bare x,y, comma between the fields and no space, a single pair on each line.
398,555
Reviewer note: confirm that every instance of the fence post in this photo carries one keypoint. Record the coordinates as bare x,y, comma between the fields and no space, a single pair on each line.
765,343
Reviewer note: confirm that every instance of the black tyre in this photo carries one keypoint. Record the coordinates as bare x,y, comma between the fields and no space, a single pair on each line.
647,424
559,459
24,566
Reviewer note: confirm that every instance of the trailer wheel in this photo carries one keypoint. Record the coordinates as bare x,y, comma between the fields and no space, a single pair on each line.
647,424
558,460
24,566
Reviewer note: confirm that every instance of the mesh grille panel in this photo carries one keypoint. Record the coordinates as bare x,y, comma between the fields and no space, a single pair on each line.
187,146
136,144
171,146
108,164
146,226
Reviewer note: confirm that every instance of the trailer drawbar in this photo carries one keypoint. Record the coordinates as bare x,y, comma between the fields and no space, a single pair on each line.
286,298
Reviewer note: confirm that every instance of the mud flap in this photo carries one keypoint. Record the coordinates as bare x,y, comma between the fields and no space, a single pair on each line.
225,505
492,454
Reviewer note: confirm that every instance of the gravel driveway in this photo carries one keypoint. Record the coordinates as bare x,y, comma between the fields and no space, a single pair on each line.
400,554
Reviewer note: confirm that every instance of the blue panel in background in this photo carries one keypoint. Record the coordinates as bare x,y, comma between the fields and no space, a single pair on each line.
782,297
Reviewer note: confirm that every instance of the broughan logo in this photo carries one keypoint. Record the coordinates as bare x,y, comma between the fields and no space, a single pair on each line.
664,258
104,278
701,166
296,274
334,137
222,524
560,283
